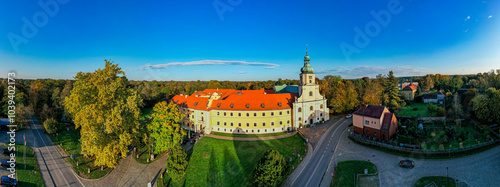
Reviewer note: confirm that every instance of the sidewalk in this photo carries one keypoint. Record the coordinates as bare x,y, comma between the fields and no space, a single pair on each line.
252,138
301,167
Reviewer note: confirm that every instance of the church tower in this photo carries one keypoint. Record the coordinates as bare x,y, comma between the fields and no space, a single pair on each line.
310,107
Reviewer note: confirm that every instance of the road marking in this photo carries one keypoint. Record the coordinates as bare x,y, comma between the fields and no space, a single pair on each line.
58,168
314,171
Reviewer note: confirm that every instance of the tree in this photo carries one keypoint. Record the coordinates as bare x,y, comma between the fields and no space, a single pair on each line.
165,126
391,90
51,126
23,114
270,170
456,109
177,164
428,83
480,107
106,109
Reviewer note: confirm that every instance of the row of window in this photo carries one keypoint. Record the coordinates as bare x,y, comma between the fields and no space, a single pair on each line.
253,131
254,124
254,114
368,122
310,108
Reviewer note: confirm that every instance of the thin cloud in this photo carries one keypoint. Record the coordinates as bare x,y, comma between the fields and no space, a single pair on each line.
240,72
199,70
490,16
468,17
466,30
206,62
271,67
372,71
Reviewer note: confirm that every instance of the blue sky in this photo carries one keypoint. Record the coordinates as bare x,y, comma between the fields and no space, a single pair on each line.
248,40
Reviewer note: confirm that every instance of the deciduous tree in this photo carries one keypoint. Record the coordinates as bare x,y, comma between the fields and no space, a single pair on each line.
177,164
165,126
270,170
106,109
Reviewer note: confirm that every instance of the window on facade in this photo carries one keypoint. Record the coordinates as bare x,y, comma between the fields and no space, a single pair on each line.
248,124
265,130
248,114
239,124
300,119
367,122
263,114
310,81
272,123
321,106
224,113
231,124
218,123
231,114
255,124
255,114
320,114
310,93
311,108
188,115
188,124
239,114
281,113
252,130
288,122
281,122
258,130
367,132
201,118
183,124
273,130
288,112
225,124
299,109
218,113
272,113
374,133
246,130
192,126
230,130
264,124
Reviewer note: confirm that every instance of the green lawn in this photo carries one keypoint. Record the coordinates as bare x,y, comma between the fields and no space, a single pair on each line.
421,110
71,143
248,135
216,162
30,176
344,173
440,181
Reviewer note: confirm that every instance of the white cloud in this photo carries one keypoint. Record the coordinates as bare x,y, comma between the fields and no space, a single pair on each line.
206,62
490,16
466,30
468,17
372,71
271,67
240,72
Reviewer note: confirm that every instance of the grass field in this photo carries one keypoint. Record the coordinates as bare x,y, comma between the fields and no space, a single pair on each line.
30,176
440,181
71,143
344,174
248,135
216,162
421,110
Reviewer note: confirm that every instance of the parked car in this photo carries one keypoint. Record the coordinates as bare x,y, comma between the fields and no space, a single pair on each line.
5,163
7,181
7,151
406,164
348,116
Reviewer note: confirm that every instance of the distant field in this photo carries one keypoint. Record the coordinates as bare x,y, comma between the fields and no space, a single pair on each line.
421,111
217,162
248,135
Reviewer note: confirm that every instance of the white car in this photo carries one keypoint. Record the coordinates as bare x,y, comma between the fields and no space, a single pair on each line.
348,116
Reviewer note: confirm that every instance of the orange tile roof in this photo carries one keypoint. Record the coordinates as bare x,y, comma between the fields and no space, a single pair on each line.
411,86
256,102
198,103
237,100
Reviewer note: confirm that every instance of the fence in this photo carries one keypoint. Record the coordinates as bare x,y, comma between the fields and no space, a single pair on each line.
420,152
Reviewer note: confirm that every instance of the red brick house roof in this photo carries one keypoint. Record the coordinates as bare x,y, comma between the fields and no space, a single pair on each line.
374,111
410,87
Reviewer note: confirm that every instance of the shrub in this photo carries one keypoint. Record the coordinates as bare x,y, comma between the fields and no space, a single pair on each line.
270,170
440,111
177,164
51,126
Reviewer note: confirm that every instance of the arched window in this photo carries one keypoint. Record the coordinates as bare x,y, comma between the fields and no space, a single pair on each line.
311,108
299,110
310,93
321,106
300,119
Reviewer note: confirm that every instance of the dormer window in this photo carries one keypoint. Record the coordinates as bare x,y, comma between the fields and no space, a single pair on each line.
195,103
262,105
218,105
232,105
279,104
247,105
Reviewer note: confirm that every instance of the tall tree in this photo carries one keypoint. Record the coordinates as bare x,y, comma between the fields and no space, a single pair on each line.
456,109
428,83
106,109
391,90
165,127
480,107
270,170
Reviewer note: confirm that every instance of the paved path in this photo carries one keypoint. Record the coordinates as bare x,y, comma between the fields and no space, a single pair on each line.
478,170
252,138
55,171
314,170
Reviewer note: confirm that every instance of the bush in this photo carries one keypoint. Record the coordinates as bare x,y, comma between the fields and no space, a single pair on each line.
177,164
440,111
51,126
270,170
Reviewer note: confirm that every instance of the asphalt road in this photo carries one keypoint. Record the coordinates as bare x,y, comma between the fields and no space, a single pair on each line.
55,171
322,154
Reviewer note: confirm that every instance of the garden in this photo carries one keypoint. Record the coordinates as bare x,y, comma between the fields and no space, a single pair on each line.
347,170
439,135
422,110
